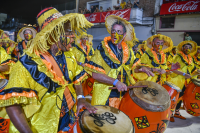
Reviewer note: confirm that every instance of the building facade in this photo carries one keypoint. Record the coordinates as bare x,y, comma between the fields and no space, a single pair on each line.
176,19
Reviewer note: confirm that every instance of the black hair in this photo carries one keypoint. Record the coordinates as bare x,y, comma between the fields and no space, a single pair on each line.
120,23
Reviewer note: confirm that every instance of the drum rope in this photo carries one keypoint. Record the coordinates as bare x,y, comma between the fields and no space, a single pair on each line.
194,89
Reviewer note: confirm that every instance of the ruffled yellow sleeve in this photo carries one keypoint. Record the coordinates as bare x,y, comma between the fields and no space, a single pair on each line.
78,55
169,60
4,56
96,64
76,72
138,55
21,89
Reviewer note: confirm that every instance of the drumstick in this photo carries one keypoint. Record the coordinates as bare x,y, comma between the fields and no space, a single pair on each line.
195,75
171,70
130,87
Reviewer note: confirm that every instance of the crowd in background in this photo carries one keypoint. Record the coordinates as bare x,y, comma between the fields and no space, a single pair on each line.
119,6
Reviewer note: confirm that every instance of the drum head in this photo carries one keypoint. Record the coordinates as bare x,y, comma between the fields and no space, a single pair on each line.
154,98
106,120
173,86
196,81
3,83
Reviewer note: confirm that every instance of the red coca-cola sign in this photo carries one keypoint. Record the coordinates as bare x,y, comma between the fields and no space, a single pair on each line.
100,17
180,7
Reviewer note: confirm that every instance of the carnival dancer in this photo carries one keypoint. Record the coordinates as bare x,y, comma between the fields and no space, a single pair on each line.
111,63
6,43
196,58
141,50
171,55
83,52
40,96
24,35
154,59
6,64
181,77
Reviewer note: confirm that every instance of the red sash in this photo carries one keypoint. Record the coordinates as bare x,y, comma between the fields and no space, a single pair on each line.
59,73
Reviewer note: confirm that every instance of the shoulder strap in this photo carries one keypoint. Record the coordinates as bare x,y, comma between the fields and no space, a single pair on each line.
56,68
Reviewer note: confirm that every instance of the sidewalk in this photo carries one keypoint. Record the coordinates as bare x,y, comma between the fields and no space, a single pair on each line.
190,125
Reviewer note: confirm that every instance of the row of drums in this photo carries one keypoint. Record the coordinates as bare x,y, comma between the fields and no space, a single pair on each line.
142,110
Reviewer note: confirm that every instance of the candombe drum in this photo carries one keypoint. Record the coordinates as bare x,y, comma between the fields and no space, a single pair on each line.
191,98
3,83
173,91
4,123
148,108
106,120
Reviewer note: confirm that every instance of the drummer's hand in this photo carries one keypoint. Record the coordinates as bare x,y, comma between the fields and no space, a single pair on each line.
121,86
83,103
198,71
83,64
161,71
187,76
147,71
175,66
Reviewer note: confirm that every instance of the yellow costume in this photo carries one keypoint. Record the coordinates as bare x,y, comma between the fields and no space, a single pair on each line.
170,57
22,44
106,60
84,56
152,60
196,59
123,5
80,53
4,38
141,51
186,65
37,86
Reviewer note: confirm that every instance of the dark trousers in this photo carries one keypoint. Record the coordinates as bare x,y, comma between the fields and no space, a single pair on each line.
180,95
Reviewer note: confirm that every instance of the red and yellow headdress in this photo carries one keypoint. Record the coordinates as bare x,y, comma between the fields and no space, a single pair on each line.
168,44
51,23
194,46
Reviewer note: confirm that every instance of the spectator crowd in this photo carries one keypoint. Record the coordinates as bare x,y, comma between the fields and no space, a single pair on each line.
119,6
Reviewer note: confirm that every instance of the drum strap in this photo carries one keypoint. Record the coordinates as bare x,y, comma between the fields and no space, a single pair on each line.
56,68
24,44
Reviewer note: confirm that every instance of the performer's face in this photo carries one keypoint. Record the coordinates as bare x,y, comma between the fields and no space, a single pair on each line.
186,49
117,34
158,45
66,43
28,35
84,40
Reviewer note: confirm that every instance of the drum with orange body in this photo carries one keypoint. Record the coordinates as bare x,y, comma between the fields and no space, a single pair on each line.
173,91
88,86
148,108
3,83
106,120
4,123
191,98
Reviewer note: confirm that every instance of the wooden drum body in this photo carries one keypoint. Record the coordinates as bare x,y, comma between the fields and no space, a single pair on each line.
106,120
3,83
191,98
173,91
148,108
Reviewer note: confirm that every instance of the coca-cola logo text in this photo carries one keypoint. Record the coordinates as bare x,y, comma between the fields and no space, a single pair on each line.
118,13
92,17
189,6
